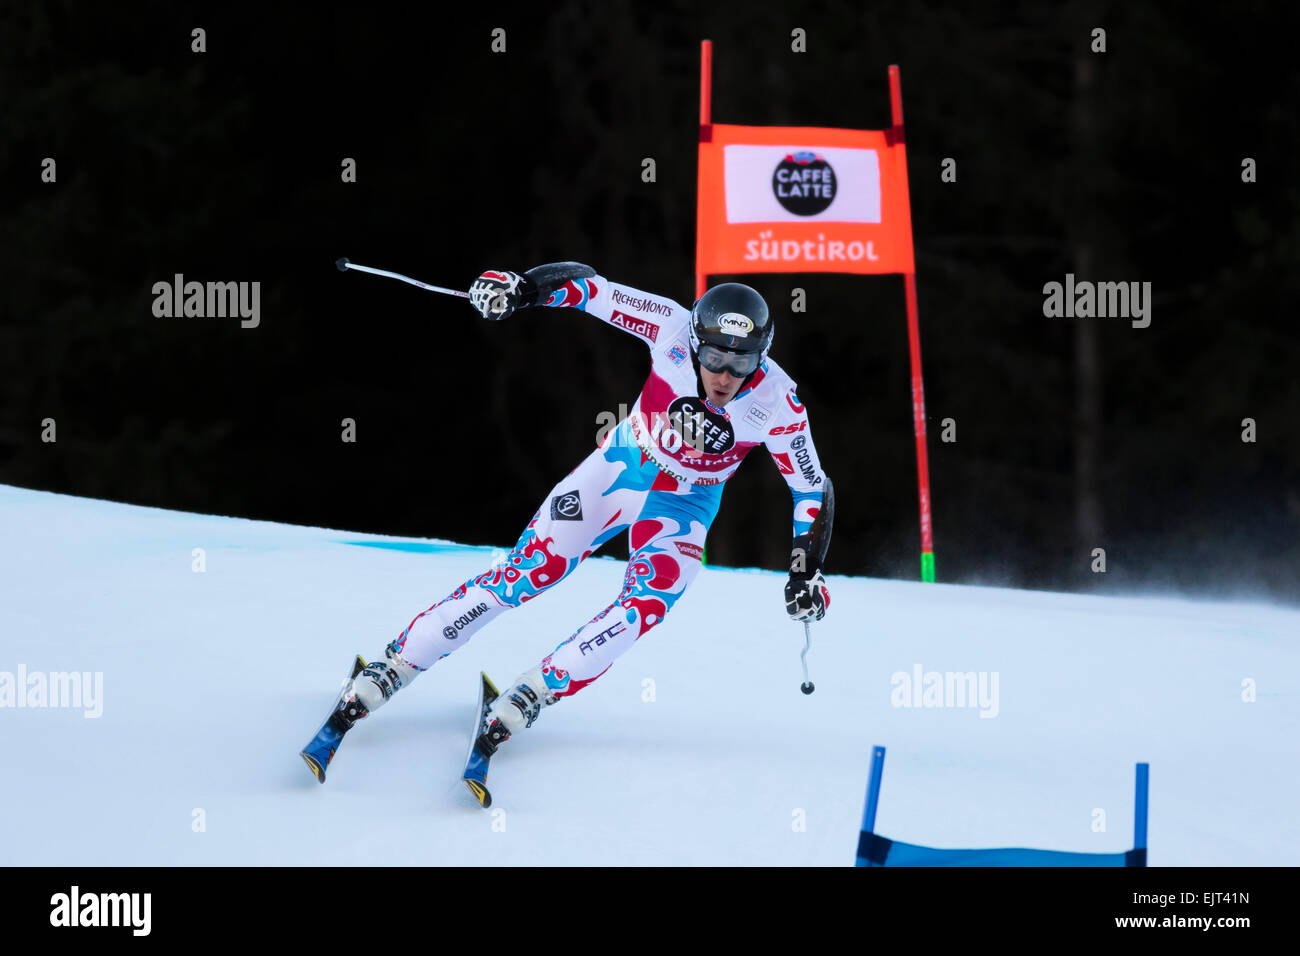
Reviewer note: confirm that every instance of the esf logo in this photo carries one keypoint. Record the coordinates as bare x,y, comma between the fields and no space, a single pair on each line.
804,183
789,429
452,629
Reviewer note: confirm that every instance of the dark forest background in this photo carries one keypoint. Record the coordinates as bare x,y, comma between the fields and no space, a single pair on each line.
1071,433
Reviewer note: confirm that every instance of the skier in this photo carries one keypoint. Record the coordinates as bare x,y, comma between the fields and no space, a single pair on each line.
712,396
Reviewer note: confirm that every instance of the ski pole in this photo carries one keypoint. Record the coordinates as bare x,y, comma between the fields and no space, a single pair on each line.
344,265
807,685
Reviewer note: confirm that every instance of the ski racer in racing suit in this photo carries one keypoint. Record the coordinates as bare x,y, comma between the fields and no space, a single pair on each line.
713,395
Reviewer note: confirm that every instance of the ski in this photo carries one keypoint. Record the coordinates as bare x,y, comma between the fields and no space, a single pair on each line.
320,751
476,762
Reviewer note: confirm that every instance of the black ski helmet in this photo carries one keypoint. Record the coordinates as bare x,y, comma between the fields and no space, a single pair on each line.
732,317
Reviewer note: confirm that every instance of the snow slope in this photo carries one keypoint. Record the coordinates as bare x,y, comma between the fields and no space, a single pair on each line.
695,748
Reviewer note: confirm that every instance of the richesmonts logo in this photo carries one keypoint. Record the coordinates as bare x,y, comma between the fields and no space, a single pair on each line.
804,183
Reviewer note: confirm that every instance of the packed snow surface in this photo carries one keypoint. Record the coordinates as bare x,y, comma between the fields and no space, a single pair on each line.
210,649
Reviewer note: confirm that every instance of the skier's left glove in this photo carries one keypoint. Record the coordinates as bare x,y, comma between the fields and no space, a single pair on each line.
807,597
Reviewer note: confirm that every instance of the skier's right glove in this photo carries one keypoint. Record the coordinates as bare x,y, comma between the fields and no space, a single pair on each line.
807,597
498,294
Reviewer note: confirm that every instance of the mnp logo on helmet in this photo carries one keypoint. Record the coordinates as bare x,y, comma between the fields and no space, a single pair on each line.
802,199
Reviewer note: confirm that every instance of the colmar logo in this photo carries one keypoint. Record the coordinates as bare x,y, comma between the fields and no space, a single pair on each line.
641,327
461,622
691,550
804,460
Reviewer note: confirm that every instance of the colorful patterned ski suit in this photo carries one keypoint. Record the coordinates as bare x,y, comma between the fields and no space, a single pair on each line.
657,475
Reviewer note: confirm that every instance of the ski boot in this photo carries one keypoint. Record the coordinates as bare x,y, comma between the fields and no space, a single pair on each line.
370,687
515,709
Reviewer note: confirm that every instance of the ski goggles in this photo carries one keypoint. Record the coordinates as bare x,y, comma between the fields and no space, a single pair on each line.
717,360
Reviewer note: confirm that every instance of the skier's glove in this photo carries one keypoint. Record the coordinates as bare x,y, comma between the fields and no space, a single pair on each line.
498,294
807,597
